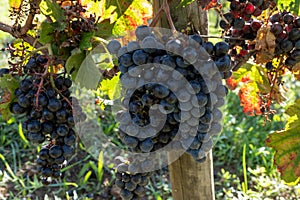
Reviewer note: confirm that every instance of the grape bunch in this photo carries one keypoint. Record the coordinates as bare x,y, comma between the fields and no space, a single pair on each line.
132,184
286,27
148,87
245,20
46,105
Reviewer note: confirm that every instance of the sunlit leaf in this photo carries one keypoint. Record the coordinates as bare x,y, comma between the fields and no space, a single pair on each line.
15,3
287,144
109,86
52,9
123,15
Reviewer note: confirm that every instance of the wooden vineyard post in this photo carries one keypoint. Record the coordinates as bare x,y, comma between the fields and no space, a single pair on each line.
190,180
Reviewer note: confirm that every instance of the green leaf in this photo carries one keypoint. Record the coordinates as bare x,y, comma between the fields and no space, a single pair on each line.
85,42
292,6
9,82
184,3
53,10
88,75
46,35
110,86
123,15
287,144
73,63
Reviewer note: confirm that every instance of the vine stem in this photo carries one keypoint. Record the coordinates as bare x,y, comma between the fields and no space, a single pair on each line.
273,82
166,8
222,37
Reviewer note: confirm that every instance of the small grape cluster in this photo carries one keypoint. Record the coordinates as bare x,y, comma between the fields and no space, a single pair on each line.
49,116
184,55
132,184
244,21
286,27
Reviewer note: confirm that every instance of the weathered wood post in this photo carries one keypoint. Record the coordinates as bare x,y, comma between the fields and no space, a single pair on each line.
190,180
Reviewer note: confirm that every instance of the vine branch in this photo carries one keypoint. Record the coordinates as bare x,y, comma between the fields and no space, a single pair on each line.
21,32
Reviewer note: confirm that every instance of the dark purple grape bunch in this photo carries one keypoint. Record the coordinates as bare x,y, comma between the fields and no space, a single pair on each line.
132,185
137,53
241,23
182,55
286,28
49,116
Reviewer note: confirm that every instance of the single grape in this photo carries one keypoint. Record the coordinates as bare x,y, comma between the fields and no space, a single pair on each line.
249,9
294,34
54,104
197,38
113,46
46,172
126,194
55,151
238,24
296,55
15,108
209,47
68,151
130,141
25,85
276,28
221,49
44,154
142,31
288,18
3,71
139,57
34,126
146,145
62,130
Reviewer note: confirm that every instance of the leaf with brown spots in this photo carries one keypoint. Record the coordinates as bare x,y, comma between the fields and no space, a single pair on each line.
287,145
265,45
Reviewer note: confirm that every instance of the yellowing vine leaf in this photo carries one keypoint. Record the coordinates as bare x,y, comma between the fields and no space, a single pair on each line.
250,100
123,15
296,71
15,3
287,145
254,82
265,45
109,86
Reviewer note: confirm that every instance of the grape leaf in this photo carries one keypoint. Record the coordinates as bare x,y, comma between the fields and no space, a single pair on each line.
287,144
123,15
85,42
73,63
15,3
254,82
109,86
250,100
94,7
53,10
46,35
9,84
292,6
88,75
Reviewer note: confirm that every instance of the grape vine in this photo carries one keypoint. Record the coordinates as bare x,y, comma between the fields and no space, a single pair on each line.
179,77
